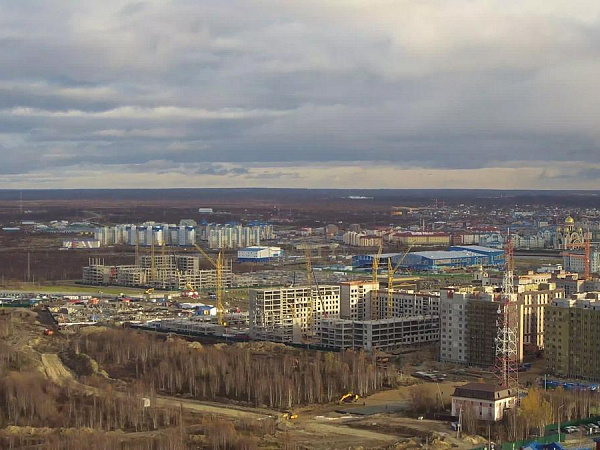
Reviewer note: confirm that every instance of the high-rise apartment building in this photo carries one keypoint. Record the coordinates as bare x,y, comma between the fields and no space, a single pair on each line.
354,297
291,314
572,341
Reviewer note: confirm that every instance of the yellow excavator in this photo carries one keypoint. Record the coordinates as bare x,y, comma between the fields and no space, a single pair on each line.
348,398
289,415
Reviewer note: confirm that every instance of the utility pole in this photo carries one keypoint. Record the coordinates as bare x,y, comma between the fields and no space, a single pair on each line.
558,414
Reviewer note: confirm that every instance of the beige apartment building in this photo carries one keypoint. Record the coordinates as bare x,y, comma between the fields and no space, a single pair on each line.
572,347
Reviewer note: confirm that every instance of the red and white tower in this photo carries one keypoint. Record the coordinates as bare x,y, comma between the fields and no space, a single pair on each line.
507,339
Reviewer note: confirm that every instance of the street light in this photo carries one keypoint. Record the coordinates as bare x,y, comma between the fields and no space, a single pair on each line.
558,414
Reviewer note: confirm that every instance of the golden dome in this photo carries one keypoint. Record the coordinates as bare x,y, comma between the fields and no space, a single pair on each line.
569,220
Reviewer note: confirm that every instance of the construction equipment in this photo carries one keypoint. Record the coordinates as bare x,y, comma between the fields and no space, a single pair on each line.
310,274
390,280
48,332
308,264
148,291
348,398
218,265
375,279
289,415
375,268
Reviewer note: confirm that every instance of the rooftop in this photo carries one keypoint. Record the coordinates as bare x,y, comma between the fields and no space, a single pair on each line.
483,391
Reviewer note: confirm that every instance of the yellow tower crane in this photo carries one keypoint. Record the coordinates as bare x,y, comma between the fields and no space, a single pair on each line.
309,282
218,265
390,280
152,257
375,279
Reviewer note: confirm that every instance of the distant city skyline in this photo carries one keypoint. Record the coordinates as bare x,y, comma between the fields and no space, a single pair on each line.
315,94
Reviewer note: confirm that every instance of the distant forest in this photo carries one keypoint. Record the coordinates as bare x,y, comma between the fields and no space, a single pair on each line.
392,196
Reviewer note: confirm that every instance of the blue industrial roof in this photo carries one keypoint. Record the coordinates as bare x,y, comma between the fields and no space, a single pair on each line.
478,248
442,254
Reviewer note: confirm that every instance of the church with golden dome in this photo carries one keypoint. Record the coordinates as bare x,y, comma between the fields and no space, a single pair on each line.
568,235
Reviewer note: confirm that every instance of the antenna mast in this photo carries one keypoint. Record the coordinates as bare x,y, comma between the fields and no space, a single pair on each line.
507,340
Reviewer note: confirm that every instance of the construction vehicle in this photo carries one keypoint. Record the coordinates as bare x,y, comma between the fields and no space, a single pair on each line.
375,279
289,415
390,280
348,398
48,332
149,291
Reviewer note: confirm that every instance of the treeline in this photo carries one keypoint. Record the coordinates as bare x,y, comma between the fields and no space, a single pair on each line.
234,372
27,399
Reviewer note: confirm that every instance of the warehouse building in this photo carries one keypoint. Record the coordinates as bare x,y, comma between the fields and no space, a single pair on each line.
460,256
435,260
259,254
495,257
362,261
380,335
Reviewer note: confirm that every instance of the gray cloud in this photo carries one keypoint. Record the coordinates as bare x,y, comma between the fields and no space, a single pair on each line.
221,86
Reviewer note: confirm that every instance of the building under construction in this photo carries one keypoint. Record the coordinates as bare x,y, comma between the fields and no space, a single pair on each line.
168,272
291,314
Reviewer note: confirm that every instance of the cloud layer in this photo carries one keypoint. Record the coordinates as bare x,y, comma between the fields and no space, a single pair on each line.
317,93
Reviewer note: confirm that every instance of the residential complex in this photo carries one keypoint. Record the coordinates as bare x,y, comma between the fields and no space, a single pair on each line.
469,321
572,328
170,272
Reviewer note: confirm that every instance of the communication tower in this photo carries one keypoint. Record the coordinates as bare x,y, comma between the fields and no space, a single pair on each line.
507,340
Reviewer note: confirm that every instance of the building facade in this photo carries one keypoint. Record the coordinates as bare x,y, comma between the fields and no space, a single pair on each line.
573,337
485,401
291,314
354,297
381,335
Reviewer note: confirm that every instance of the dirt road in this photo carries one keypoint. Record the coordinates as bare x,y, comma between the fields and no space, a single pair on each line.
356,435
56,370
211,408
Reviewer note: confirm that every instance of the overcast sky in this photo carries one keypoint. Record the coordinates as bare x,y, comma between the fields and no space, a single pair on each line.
282,93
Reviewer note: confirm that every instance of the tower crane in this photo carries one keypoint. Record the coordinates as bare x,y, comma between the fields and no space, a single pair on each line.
310,275
218,265
390,280
375,279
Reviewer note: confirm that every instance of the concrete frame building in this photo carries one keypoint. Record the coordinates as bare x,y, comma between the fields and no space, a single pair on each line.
381,335
291,314
171,272
404,304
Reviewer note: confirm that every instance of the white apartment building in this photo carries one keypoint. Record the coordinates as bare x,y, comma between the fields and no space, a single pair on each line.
144,234
354,295
291,314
